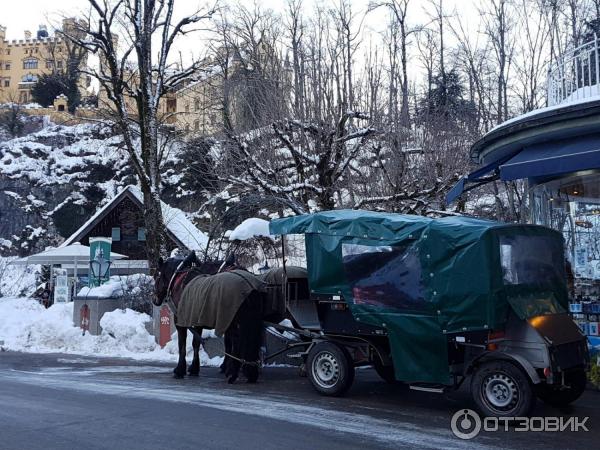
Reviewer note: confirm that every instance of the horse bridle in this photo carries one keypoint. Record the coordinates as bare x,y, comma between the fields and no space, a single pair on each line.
169,297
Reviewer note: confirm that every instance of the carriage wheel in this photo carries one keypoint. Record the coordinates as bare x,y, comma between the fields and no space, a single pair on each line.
502,389
330,368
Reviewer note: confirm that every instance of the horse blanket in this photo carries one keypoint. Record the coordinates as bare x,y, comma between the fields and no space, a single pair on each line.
274,307
212,301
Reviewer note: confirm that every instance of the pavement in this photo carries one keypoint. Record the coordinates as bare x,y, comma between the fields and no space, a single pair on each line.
57,401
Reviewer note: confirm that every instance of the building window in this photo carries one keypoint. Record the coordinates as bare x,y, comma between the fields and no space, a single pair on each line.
30,64
59,64
7,66
187,107
197,125
29,78
197,105
6,83
116,234
49,64
141,234
8,51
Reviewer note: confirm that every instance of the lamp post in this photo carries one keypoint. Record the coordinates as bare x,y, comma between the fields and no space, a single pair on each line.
99,260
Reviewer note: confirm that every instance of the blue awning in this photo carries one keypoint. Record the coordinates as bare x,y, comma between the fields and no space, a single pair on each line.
540,160
553,158
475,178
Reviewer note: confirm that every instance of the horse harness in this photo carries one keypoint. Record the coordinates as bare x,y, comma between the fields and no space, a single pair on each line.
177,280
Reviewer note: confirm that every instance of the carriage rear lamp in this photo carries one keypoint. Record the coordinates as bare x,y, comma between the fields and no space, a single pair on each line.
493,338
547,372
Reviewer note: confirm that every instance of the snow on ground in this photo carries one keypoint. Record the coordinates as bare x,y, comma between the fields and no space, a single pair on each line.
250,228
26,326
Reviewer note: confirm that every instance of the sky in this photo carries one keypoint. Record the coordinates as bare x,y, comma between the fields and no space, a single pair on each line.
50,12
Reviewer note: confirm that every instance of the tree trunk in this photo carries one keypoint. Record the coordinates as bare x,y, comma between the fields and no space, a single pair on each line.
155,227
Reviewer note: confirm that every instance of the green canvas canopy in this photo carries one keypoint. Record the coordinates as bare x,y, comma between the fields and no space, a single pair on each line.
422,278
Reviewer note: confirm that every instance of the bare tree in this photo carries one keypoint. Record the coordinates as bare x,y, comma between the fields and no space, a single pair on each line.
140,71
11,117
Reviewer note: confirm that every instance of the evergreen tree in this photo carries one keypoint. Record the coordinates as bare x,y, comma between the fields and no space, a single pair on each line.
47,88
445,99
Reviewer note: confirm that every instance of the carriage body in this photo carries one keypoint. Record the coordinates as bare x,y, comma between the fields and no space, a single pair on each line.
429,301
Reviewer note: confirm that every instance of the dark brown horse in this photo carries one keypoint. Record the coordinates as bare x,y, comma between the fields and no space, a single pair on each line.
242,337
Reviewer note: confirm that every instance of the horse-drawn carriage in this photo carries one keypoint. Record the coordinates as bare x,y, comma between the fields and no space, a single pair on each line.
432,302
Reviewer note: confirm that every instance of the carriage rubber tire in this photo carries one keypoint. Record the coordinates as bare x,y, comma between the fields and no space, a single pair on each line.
330,369
576,379
502,389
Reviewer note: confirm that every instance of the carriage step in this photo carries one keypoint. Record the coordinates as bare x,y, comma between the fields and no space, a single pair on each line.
437,388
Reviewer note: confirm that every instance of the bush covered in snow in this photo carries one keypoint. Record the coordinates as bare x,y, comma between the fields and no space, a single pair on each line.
136,291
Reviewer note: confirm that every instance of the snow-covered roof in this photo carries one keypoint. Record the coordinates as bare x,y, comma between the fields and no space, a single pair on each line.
176,222
75,252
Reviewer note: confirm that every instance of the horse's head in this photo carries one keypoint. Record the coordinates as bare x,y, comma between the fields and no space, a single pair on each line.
165,272
162,277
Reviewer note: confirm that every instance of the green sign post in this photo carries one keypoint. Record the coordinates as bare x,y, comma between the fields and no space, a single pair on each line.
99,260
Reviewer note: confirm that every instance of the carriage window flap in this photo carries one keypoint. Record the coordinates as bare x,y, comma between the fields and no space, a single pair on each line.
386,276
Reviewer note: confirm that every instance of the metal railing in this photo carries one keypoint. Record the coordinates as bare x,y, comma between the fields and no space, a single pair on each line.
576,75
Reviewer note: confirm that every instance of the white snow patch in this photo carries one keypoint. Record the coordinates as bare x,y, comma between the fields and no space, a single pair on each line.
250,228
26,326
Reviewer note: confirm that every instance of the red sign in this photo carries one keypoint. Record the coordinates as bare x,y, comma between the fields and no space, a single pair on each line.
164,330
84,318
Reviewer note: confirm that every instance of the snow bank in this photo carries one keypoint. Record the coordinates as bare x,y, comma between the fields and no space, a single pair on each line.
117,286
250,228
26,326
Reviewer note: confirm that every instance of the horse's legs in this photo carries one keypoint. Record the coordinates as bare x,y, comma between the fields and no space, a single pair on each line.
232,366
194,368
251,335
228,349
179,371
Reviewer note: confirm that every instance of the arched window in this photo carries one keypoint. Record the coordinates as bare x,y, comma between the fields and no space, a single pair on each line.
30,63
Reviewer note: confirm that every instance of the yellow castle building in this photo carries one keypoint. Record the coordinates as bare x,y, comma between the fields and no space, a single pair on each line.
23,61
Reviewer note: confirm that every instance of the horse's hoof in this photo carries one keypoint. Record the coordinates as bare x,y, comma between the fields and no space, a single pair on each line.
178,376
231,380
194,373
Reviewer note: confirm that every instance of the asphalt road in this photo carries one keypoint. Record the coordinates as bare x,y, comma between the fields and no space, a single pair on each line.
71,402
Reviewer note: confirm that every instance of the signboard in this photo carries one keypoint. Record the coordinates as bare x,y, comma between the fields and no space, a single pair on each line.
581,262
164,334
61,289
84,318
99,260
